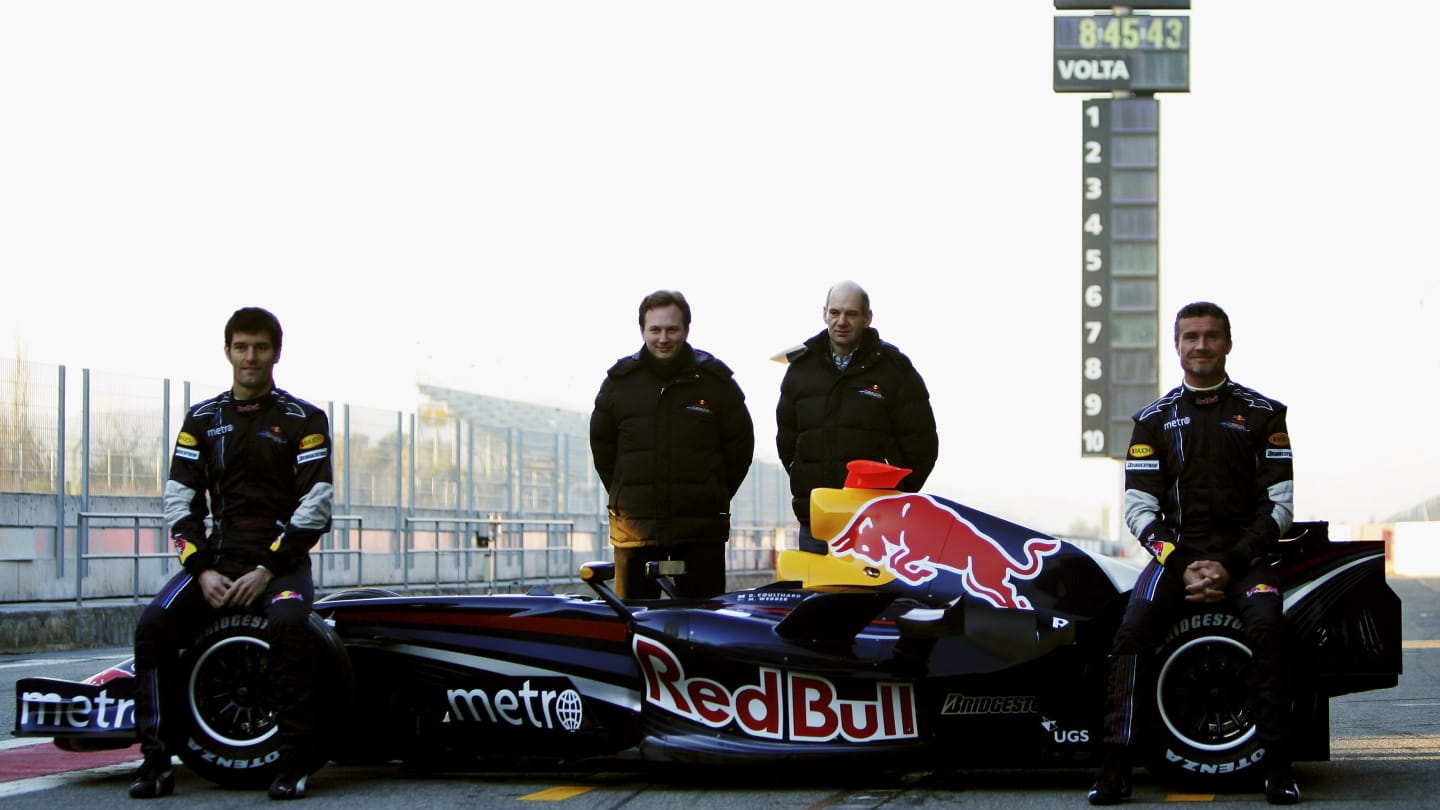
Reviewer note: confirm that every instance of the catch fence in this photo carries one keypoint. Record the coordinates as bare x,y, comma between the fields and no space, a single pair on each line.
468,492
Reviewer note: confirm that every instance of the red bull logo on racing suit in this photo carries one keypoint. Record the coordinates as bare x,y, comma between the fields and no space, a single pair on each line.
915,538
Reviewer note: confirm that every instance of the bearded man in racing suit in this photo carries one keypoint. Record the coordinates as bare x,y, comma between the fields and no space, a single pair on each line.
1208,493
262,457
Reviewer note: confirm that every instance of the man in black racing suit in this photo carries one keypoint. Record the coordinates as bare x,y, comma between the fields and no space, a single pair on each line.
262,457
1208,493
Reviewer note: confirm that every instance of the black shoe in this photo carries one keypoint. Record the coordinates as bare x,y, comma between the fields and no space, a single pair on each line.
1113,783
153,778
1110,788
1281,787
290,784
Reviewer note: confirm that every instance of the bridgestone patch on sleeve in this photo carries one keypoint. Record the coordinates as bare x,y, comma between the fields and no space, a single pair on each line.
313,455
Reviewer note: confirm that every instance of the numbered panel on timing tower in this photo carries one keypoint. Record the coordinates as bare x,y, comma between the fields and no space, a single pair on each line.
1120,269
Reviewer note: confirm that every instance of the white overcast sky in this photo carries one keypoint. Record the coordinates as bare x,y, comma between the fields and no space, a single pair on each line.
480,193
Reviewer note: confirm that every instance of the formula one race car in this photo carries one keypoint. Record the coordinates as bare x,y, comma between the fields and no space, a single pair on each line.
931,635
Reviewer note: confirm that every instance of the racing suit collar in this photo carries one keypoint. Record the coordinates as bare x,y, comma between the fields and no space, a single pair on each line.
1209,395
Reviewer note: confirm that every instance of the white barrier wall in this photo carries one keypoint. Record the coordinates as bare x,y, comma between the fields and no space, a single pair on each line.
1415,549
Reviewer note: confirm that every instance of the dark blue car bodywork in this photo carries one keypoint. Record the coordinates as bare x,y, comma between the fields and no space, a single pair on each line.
972,642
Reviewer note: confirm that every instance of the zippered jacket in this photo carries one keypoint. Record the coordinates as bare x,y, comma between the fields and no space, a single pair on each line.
672,444
1208,476
260,470
877,408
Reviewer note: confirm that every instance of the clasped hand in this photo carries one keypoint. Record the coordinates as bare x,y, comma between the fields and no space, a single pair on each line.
1205,581
221,591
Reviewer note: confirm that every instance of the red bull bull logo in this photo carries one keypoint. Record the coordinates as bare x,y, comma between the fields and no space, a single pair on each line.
915,538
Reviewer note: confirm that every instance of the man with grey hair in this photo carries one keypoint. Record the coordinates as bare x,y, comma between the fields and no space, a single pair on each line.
850,395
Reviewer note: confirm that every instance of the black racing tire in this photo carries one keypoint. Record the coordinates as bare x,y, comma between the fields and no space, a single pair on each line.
1203,724
231,737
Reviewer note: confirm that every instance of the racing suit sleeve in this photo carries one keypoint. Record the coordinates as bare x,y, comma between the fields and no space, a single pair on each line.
314,495
737,439
184,502
1274,491
1144,485
914,424
604,441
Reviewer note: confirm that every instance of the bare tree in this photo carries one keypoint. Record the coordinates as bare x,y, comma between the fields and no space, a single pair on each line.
26,459
123,459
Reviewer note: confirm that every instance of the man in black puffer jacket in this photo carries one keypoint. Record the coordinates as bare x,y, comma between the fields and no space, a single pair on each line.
850,395
672,441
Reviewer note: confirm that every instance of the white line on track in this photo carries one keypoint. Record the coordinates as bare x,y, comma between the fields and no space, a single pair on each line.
21,742
37,783
50,662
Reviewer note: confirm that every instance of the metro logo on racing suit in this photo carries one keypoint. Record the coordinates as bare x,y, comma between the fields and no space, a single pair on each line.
914,537
783,706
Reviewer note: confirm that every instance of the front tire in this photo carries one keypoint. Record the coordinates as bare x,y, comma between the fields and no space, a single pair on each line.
1204,723
231,737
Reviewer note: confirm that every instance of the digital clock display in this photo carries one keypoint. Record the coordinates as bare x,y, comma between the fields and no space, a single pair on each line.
1109,52
1128,32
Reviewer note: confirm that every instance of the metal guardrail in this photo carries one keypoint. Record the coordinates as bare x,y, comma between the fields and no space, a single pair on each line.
751,548
324,554
488,548
82,542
